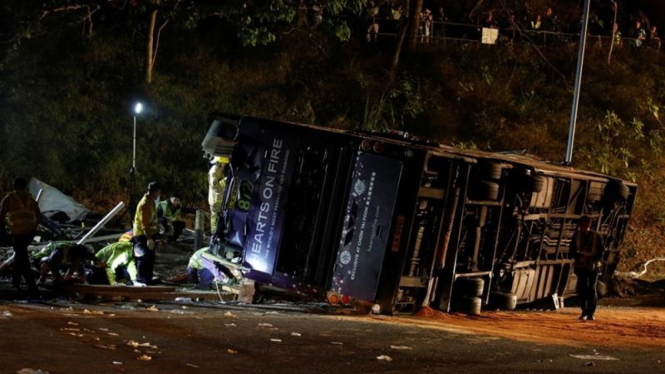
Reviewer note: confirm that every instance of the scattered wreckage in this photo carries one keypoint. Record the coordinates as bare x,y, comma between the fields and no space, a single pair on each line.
403,223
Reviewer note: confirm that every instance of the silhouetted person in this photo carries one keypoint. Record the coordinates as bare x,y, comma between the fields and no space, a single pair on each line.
638,34
20,212
586,248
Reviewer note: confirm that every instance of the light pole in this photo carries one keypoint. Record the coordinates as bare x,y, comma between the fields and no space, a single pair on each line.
138,108
578,83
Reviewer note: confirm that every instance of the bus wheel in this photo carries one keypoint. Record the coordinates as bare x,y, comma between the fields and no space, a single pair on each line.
470,287
503,301
469,305
489,190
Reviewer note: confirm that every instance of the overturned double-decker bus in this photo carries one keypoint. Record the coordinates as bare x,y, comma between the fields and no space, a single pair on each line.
403,223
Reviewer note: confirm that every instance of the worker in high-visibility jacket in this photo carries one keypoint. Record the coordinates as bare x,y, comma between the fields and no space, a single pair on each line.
216,187
63,256
120,264
146,231
169,216
20,212
203,270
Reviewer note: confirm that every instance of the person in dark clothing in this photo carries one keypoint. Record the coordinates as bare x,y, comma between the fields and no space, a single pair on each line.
20,212
587,249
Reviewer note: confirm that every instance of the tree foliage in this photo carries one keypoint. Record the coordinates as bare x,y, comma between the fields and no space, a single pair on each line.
68,81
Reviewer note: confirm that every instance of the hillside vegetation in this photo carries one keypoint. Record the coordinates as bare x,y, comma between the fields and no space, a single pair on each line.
65,107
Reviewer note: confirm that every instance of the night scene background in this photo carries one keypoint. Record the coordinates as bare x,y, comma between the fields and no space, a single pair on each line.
71,71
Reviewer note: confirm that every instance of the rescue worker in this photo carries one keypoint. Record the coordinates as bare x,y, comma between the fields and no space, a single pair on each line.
120,265
168,215
146,230
20,212
586,248
216,187
63,256
203,271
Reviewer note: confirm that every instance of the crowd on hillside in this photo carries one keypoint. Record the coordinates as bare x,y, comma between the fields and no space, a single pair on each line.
384,17
641,32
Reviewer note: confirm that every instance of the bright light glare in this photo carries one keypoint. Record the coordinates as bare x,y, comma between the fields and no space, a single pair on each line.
138,108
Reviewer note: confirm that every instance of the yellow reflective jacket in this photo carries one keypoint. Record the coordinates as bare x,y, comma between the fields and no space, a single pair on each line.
146,208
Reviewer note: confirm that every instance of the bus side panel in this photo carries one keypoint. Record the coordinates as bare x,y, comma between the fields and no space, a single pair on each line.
365,235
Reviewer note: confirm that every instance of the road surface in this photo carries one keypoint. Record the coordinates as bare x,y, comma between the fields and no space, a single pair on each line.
64,338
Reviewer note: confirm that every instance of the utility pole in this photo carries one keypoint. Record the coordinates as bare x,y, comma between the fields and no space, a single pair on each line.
578,82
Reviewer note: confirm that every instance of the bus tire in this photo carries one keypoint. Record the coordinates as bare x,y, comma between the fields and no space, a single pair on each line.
491,170
536,183
469,305
503,301
489,190
470,287
616,191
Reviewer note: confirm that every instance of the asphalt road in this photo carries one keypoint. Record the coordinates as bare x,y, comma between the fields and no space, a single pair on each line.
64,339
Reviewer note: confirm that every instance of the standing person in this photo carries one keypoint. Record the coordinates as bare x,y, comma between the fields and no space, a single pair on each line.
146,228
654,38
373,27
20,212
586,248
216,187
535,24
638,34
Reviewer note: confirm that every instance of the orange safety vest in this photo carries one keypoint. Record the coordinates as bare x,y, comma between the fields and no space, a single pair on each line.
21,215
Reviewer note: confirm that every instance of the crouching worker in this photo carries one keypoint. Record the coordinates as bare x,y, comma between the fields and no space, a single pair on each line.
203,270
67,256
120,265
169,216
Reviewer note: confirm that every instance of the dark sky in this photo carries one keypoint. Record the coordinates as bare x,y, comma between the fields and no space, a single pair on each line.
655,10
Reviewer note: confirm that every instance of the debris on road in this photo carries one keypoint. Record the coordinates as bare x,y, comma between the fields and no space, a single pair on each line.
95,312
135,344
144,358
384,358
102,346
336,343
265,325
193,366
231,351
595,357
276,340
296,334
230,324
32,371
400,347
117,362
229,314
